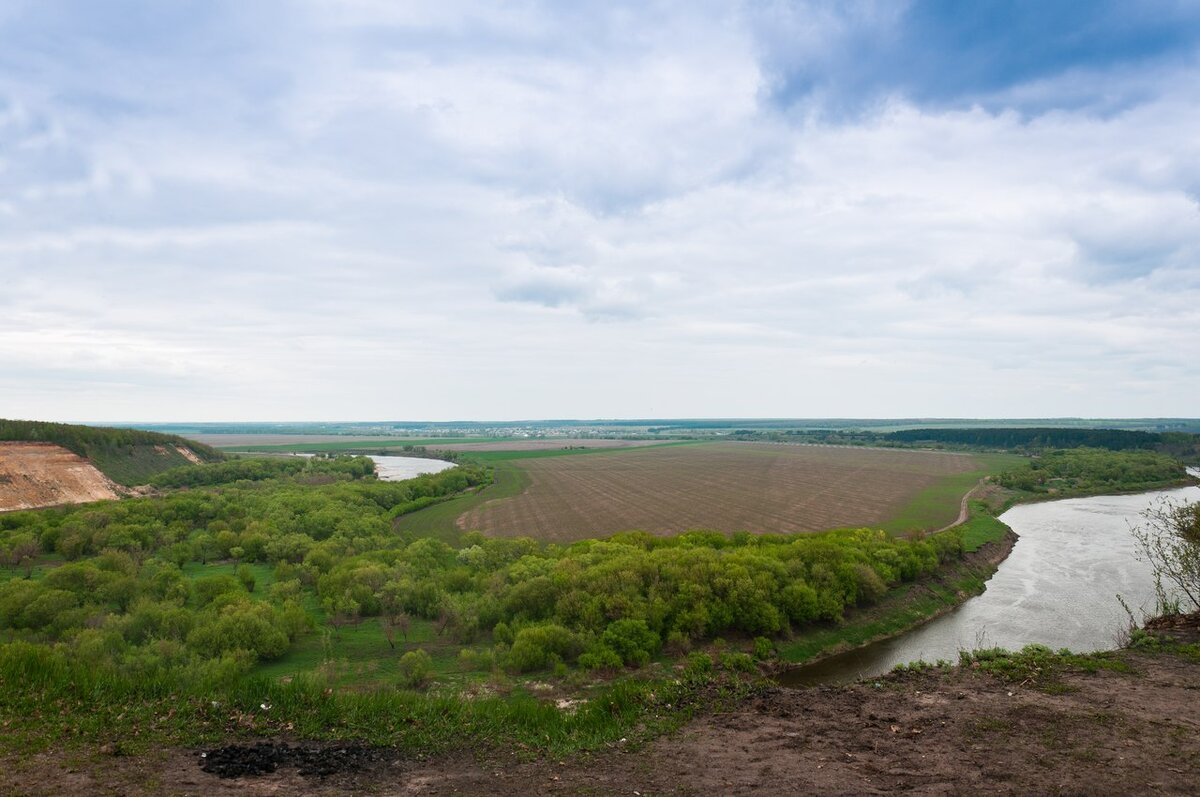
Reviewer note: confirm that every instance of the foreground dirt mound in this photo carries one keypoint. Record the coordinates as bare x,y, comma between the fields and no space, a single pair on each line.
41,474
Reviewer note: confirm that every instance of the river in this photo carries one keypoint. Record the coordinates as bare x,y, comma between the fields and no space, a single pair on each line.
1058,588
394,469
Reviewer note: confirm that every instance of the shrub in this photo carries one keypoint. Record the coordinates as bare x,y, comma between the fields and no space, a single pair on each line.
540,646
632,640
208,588
737,662
600,658
246,576
415,668
502,634
252,627
699,667
763,648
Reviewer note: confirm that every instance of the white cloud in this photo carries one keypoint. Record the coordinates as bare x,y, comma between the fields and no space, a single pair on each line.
433,212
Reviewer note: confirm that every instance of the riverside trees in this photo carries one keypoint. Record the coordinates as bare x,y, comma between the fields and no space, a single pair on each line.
1170,541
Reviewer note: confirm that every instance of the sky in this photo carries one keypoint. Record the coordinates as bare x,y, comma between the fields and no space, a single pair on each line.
370,210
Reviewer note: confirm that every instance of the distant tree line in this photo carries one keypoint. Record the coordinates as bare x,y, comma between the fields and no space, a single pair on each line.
1181,445
1032,438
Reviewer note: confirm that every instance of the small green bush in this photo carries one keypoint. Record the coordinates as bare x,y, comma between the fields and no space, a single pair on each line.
540,646
601,658
416,668
632,640
763,648
246,576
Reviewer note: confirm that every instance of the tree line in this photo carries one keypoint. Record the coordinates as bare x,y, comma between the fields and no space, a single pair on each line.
1091,470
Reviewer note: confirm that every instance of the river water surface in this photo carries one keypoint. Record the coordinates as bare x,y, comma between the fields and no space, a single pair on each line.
1058,587
394,469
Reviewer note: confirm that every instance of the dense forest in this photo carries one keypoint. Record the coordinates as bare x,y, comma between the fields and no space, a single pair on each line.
1033,438
1091,470
127,456
129,588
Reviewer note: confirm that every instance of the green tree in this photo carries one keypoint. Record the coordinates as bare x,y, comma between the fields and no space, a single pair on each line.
1169,540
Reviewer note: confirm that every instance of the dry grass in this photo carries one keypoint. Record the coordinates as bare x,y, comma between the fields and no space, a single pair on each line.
758,487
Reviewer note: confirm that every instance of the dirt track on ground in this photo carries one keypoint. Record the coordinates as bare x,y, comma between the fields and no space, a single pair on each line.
41,474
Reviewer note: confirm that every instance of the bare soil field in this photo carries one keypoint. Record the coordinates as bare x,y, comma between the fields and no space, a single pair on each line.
544,444
958,732
41,474
758,487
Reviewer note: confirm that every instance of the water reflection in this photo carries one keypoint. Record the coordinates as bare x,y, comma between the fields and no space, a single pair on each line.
394,469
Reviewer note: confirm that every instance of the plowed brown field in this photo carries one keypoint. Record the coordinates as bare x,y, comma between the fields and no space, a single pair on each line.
40,474
758,487
544,444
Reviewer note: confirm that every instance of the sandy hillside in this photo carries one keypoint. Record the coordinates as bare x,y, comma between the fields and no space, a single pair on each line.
41,474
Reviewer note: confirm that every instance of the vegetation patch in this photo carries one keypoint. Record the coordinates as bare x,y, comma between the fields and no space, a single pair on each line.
1039,666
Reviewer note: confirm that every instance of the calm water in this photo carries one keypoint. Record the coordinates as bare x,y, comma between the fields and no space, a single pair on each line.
394,469
1057,588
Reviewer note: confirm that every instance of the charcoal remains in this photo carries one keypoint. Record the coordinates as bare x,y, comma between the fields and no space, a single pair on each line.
242,760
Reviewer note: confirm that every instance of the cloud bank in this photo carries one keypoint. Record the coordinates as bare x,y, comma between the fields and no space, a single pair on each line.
369,210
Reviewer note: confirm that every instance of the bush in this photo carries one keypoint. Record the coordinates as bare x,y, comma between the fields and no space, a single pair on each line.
737,662
541,646
699,667
246,576
632,640
502,634
252,627
208,588
415,668
600,658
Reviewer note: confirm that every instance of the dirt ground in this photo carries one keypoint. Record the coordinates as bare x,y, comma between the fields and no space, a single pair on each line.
760,487
928,733
41,474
